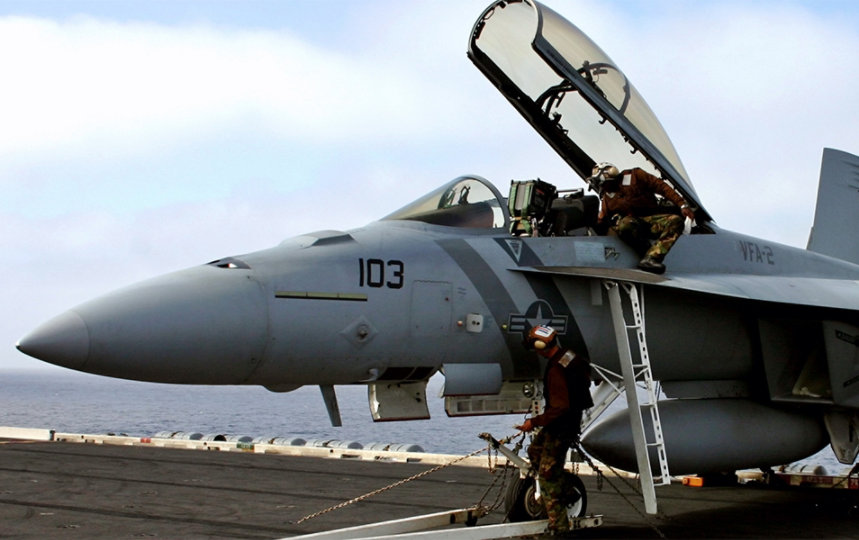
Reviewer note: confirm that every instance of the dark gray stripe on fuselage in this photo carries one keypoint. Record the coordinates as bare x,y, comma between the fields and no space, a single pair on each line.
495,295
522,255
544,288
481,275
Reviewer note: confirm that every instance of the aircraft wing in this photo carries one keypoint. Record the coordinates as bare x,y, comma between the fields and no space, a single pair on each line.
795,290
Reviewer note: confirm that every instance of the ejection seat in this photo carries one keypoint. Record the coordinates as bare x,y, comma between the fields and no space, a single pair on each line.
537,210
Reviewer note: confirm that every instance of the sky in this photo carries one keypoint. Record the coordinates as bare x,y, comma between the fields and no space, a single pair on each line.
139,138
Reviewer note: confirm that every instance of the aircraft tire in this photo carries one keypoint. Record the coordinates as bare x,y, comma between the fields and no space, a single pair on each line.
520,503
580,506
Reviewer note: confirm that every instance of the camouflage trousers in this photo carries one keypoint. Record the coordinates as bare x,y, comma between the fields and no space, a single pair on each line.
637,231
548,453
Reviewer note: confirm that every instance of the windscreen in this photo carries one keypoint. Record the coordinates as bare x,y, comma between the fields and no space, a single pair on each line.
467,201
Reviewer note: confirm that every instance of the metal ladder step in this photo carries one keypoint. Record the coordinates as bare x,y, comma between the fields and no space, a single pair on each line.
634,373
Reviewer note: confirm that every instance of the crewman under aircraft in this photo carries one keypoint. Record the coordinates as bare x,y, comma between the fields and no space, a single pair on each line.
566,386
631,209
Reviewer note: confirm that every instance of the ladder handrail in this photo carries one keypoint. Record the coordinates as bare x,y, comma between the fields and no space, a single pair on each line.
632,375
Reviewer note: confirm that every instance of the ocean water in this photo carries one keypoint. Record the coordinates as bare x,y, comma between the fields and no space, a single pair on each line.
80,403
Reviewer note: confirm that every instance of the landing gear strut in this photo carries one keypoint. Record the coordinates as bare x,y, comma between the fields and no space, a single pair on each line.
522,501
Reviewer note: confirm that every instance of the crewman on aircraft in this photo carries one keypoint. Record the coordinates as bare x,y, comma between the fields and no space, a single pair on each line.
631,210
566,386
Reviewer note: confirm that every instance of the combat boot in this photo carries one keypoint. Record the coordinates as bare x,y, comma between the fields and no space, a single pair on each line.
649,264
560,533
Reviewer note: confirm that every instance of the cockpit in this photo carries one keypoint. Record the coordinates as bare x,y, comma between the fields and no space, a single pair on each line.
533,208
538,208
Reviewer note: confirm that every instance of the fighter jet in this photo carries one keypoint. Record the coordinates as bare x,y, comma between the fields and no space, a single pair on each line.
755,345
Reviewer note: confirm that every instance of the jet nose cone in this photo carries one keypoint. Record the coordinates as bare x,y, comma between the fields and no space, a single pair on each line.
63,340
202,325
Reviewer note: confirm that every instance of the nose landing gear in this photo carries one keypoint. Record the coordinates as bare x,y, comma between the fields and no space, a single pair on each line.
522,500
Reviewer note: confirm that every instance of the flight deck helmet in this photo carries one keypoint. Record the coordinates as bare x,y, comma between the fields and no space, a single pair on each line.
604,177
541,338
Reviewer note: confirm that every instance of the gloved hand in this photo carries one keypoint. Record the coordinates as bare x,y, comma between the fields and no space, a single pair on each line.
526,426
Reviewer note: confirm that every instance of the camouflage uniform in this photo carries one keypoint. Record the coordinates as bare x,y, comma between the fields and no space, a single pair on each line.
667,228
567,396
548,454
634,213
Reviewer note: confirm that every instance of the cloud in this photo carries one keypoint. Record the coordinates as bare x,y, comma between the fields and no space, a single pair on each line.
110,114
127,87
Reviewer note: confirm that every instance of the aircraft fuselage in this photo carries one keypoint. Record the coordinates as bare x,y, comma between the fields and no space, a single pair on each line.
390,301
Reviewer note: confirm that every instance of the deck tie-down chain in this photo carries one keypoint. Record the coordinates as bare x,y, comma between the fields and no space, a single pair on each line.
602,477
396,484
503,476
482,510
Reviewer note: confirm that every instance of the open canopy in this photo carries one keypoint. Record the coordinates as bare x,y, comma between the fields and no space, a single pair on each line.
572,93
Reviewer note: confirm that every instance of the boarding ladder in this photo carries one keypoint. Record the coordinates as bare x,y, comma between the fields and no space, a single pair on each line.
634,376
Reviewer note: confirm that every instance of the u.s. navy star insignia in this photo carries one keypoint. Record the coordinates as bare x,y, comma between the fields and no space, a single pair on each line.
538,313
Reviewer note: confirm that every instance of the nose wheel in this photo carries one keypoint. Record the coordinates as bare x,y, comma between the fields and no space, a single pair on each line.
521,502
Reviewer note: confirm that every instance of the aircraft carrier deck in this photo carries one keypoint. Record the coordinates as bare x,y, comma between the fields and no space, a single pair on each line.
111,489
